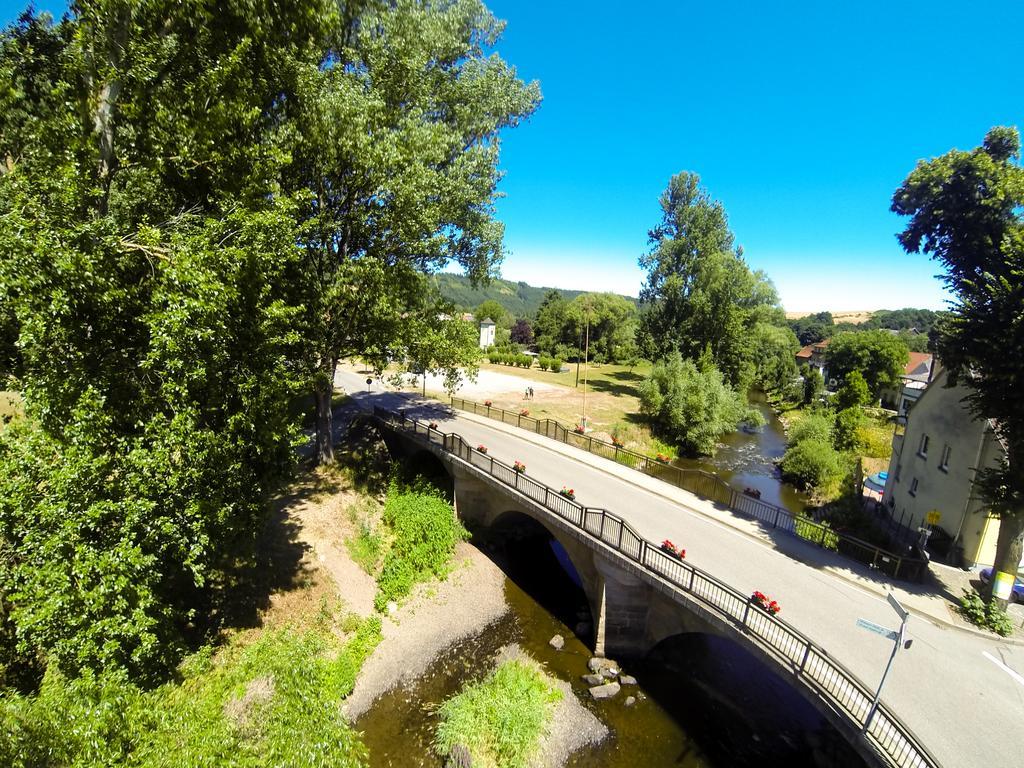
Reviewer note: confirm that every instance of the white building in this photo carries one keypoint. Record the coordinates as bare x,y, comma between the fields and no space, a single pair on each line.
486,333
933,469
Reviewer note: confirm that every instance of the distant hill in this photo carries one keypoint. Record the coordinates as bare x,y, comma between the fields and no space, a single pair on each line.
920,320
520,299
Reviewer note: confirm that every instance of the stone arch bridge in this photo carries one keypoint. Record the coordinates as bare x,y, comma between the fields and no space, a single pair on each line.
640,595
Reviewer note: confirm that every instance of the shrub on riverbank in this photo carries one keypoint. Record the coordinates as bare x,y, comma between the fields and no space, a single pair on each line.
424,532
274,701
501,719
693,406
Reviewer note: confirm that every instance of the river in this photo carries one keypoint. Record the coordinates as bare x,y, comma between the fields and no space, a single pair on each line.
746,459
703,702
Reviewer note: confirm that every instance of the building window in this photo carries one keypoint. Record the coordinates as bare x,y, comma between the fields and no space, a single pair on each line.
944,462
922,450
913,487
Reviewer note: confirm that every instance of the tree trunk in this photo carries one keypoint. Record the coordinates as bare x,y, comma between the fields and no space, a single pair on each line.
1009,547
323,392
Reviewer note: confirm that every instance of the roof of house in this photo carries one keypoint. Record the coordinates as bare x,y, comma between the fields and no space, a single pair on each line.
919,367
487,321
810,349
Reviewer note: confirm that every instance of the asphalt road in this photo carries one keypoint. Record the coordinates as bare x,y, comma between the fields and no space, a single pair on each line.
960,692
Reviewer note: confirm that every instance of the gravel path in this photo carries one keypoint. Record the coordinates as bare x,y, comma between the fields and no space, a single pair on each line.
438,615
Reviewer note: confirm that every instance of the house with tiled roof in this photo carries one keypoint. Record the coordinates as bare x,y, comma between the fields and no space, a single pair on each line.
913,381
813,355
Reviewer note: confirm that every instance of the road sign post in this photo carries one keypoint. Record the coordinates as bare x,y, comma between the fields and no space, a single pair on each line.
897,636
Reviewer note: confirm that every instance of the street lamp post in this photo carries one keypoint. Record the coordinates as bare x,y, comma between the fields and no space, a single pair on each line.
586,366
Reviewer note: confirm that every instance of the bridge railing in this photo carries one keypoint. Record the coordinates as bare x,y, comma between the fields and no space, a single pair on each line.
709,486
891,739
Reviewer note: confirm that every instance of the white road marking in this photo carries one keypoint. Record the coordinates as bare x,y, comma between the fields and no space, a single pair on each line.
1003,667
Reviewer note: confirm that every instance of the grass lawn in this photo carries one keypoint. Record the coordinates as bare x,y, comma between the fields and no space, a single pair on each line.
613,404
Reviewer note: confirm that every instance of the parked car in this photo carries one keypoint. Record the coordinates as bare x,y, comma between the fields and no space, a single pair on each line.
1016,594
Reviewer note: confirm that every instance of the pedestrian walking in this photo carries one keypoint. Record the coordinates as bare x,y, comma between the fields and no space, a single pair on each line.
531,393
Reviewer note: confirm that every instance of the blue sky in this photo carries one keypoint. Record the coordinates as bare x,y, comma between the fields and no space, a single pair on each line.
802,118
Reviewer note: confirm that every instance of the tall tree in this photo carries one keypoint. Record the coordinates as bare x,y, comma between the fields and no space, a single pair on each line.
699,293
397,146
965,211
880,358
148,258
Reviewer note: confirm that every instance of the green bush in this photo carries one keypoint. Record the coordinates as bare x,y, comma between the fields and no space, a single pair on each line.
811,463
814,425
693,407
986,615
846,430
425,531
556,365
808,529
499,720
274,702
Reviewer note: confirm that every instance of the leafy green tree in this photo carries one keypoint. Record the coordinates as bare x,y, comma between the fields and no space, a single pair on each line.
493,310
699,292
551,322
692,407
396,157
964,209
854,392
878,356
920,320
149,261
811,329
774,356
10,358
845,432
442,343
814,384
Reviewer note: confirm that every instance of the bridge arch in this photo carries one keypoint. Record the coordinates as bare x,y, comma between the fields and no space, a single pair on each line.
426,463
640,598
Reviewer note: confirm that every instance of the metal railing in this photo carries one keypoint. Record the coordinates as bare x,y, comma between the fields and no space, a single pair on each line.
891,739
709,486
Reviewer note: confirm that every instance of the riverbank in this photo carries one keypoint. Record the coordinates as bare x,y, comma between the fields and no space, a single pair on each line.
437,616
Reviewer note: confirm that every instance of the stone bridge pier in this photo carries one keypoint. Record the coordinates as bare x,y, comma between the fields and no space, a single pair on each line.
630,616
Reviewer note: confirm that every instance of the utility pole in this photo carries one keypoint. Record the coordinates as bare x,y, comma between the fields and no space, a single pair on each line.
579,349
586,367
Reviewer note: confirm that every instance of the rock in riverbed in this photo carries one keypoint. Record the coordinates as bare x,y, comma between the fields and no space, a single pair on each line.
594,679
627,680
605,691
557,642
599,664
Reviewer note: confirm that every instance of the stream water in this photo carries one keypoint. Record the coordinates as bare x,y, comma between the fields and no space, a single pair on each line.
703,702
746,459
